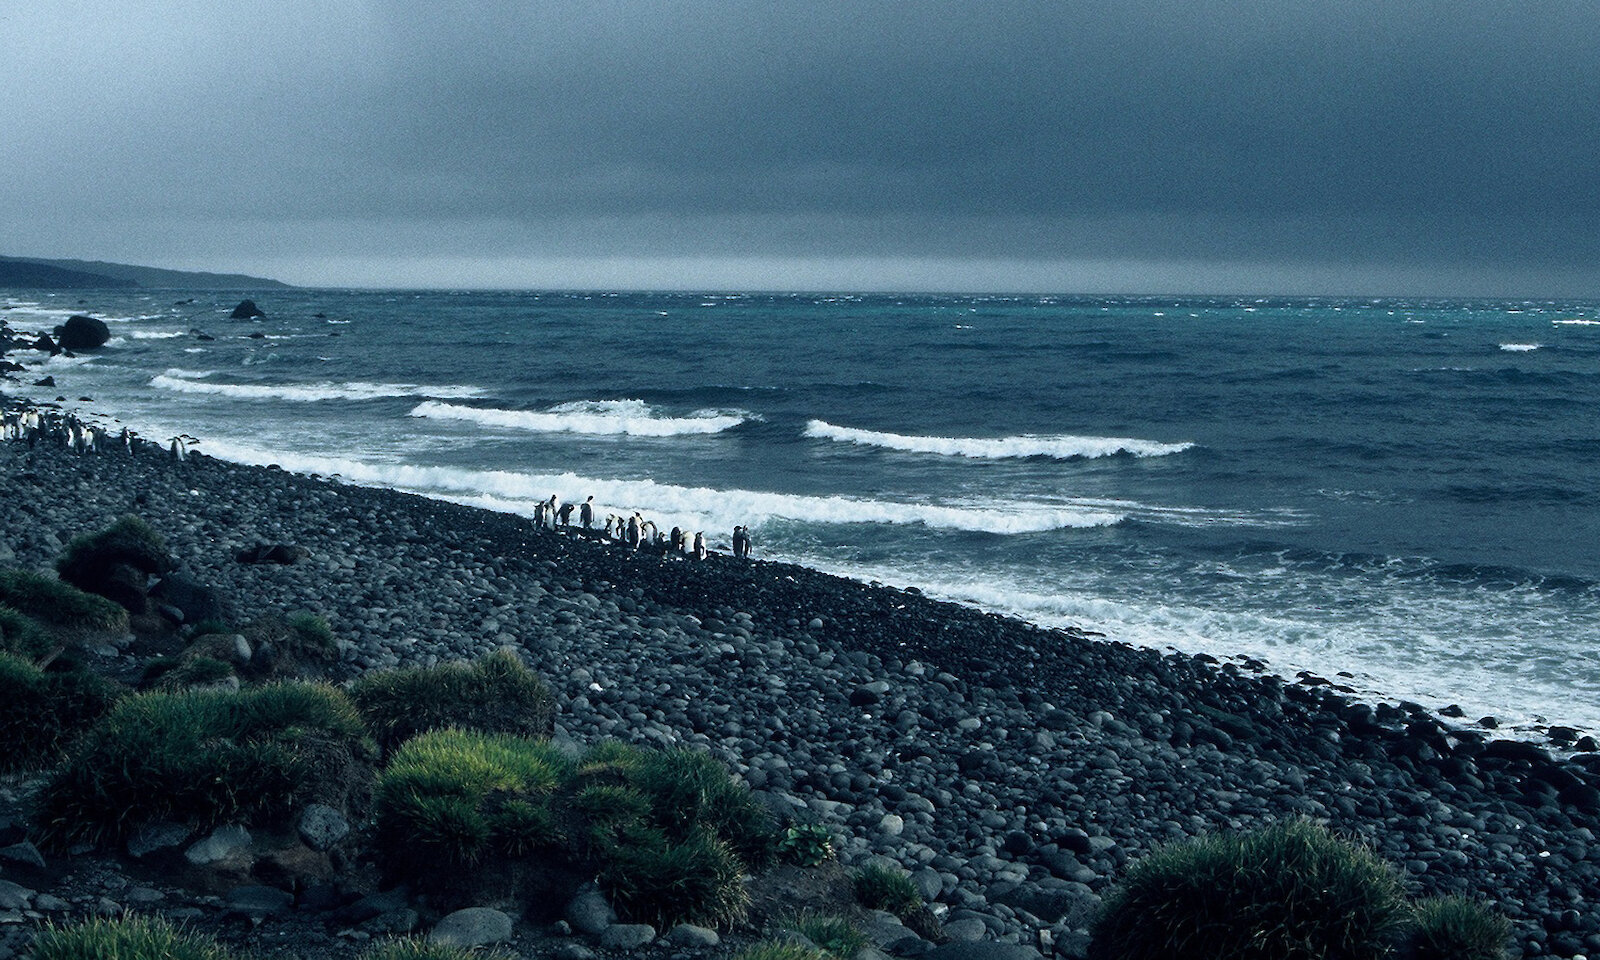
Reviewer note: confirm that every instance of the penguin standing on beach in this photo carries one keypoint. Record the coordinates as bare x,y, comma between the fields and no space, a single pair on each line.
586,513
699,546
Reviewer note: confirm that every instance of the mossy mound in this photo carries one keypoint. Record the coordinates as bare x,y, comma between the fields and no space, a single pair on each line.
497,693
207,757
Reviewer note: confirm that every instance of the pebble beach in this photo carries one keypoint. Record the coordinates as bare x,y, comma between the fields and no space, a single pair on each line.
1013,770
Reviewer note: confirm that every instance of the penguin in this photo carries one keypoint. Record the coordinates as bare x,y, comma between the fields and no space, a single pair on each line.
699,546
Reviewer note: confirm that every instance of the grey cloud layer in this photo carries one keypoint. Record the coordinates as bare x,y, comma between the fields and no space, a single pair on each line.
1287,129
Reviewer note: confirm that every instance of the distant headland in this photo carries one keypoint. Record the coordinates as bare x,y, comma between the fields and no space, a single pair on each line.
40,274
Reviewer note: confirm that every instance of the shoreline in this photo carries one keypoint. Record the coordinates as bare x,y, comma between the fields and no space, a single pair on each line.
1014,764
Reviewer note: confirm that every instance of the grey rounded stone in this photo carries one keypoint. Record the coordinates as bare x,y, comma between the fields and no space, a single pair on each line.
472,927
590,912
967,929
223,841
627,936
160,835
690,935
321,826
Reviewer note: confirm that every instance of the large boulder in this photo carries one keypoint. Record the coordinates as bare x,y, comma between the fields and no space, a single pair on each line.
82,333
194,600
246,310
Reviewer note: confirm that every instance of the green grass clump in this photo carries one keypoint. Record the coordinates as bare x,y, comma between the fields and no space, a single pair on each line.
778,950
836,936
24,636
449,797
59,605
45,710
131,937
1455,928
208,757
654,879
881,888
1291,891
411,948
659,829
312,638
90,562
496,693
690,790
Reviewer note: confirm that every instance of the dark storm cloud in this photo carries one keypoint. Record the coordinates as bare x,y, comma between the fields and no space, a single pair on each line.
1359,131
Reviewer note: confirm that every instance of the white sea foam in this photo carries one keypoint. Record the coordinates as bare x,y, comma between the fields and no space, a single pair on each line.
1576,323
698,508
195,382
1520,347
1061,447
595,417
155,334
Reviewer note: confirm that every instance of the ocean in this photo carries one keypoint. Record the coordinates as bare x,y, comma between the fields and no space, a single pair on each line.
1402,496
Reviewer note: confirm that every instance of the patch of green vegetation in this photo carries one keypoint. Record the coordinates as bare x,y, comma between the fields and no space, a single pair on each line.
24,636
45,710
1290,891
835,936
131,937
412,948
312,637
657,828
653,878
807,844
442,801
497,693
200,671
1455,928
91,559
882,888
60,605
778,950
208,757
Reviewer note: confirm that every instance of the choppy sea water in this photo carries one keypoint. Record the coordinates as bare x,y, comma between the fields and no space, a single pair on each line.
1406,492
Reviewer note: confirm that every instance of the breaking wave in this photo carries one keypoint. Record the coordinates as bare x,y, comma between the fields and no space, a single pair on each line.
1061,447
669,504
185,381
596,417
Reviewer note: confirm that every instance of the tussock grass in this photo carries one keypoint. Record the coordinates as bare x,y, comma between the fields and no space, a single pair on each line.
132,937
778,950
835,936
448,797
412,948
1291,891
881,888
60,605
653,879
207,757
497,693
1455,928
657,828
45,710
24,636
90,559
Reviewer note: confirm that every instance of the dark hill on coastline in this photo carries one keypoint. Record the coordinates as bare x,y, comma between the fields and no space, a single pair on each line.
43,274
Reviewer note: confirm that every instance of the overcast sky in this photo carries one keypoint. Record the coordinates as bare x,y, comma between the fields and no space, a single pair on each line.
1334,146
